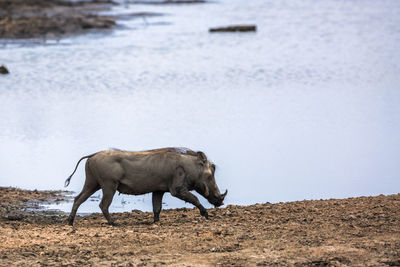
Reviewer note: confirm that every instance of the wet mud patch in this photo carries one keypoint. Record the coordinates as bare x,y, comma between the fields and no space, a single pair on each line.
21,205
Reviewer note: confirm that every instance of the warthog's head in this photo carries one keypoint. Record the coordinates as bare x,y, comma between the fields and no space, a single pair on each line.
205,184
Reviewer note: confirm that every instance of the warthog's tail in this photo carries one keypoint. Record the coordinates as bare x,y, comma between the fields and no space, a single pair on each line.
76,167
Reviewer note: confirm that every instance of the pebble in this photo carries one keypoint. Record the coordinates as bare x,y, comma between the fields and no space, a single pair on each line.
3,70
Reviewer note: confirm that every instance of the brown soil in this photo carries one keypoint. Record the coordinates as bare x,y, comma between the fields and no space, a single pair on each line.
51,18
362,231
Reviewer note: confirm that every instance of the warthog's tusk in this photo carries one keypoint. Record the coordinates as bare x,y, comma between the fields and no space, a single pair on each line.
224,194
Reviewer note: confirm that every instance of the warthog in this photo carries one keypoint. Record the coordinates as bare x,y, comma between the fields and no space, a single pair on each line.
174,170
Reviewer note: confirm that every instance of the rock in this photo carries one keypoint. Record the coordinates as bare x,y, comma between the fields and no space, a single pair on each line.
3,70
167,2
136,211
14,217
235,28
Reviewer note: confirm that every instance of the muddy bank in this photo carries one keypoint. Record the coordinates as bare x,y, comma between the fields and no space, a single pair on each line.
17,204
51,18
362,231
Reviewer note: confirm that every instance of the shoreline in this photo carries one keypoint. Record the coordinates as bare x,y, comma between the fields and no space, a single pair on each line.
361,231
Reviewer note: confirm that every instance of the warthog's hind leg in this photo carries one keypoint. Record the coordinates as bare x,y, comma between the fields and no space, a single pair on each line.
88,189
108,194
157,204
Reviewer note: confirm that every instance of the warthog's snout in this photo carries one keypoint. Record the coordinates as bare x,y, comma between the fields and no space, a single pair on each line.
219,201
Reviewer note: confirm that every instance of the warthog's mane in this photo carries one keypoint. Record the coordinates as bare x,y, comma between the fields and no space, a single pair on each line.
179,150
117,149
183,150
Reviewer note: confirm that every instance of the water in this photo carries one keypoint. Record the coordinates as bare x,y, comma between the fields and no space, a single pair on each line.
305,108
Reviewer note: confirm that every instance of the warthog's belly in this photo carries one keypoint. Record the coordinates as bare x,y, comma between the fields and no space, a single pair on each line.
125,189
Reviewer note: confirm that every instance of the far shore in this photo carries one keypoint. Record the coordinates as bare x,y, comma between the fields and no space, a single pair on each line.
53,19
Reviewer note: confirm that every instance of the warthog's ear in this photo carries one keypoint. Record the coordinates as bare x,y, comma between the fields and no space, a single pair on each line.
202,156
213,167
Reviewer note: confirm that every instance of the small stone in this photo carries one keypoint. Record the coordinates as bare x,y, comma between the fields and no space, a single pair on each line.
3,70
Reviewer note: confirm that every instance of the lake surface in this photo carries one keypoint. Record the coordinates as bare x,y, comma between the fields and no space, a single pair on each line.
308,107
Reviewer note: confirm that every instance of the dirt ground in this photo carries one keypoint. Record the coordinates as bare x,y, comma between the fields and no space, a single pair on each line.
363,231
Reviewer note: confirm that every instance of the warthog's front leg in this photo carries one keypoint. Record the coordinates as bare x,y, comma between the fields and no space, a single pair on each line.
157,204
184,194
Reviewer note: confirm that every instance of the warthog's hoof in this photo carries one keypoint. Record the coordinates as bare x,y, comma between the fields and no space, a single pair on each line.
156,217
204,213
